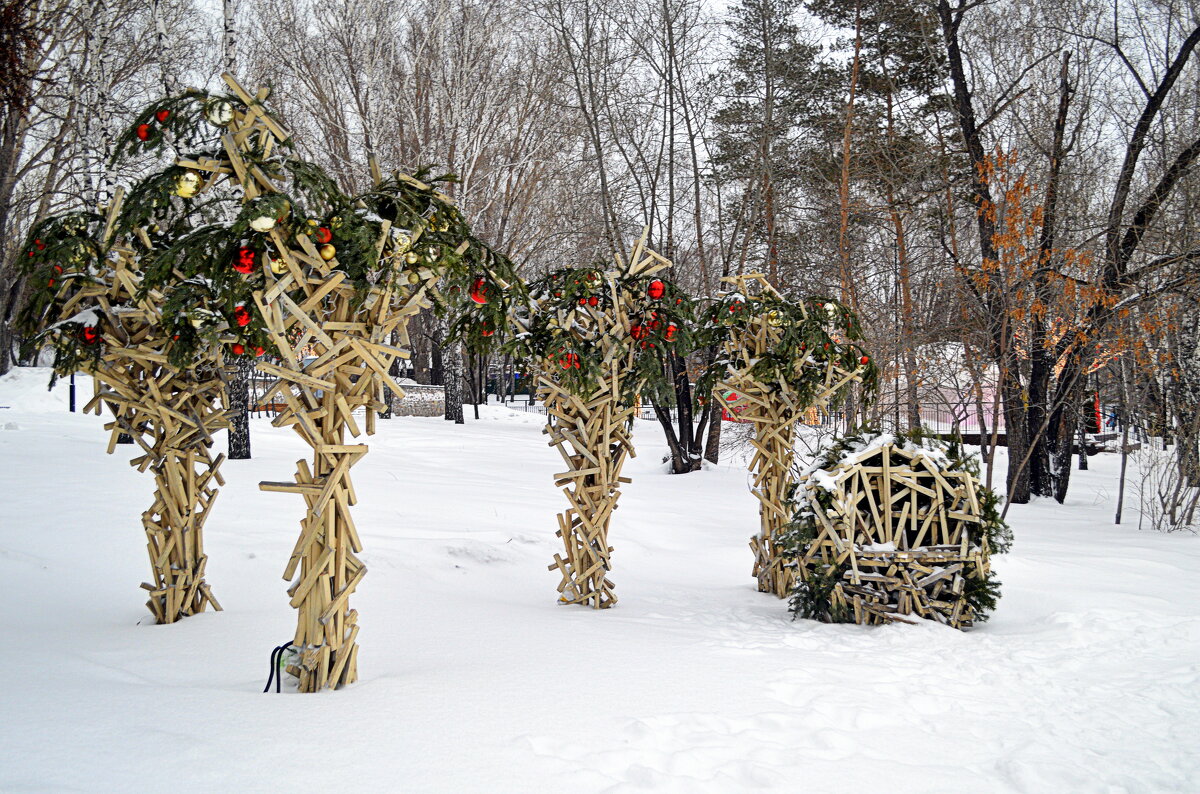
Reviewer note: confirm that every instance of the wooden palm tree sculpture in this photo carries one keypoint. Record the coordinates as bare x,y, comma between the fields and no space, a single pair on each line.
332,279
779,359
100,319
595,334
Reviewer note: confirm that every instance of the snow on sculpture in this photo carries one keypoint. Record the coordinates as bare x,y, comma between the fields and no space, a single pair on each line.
886,528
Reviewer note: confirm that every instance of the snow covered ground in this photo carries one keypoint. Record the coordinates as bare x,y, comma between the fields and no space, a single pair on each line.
474,680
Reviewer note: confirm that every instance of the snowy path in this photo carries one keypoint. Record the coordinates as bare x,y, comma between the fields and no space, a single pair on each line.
474,680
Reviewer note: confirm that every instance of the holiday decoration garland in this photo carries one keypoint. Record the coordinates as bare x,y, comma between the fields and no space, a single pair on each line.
778,358
886,527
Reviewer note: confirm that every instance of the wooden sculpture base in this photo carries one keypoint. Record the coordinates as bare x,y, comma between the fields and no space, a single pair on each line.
772,466
171,414
593,438
347,367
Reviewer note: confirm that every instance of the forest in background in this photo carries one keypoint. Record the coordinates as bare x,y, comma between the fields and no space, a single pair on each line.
1005,191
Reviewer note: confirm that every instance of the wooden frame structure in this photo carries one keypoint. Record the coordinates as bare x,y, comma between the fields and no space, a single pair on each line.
774,409
904,534
171,414
334,342
592,434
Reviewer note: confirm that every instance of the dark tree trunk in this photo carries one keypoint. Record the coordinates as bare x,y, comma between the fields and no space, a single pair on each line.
1016,432
712,444
452,365
240,369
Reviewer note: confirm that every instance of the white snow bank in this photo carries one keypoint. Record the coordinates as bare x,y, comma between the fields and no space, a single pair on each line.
475,680
25,390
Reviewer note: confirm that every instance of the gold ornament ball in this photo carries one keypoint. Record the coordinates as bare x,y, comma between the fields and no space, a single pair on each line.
263,223
335,222
187,184
218,112
327,251
412,257
278,266
414,277
401,240
774,319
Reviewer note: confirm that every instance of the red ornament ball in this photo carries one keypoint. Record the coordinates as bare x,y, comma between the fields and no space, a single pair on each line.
244,263
90,335
39,245
162,115
593,300
143,132
655,289
323,235
258,351
238,349
479,291
241,315
863,360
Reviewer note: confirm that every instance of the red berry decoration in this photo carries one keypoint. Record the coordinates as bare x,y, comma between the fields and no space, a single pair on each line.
162,115
583,301
655,289
479,291
90,335
245,260
238,349
593,300
485,331
323,235
241,315
143,132
637,331
863,360
39,245
671,329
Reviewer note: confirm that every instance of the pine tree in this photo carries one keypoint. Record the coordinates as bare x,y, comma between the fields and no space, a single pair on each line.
775,86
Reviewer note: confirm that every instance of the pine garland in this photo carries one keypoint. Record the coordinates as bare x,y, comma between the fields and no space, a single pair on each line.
556,324
811,332
206,249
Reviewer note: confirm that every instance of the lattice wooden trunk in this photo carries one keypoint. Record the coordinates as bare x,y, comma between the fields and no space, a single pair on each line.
896,536
171,414
592,434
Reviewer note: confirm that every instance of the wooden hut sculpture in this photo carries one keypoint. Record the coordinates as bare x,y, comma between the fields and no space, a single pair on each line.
324,283
89,303
596,335
885,529
779,359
